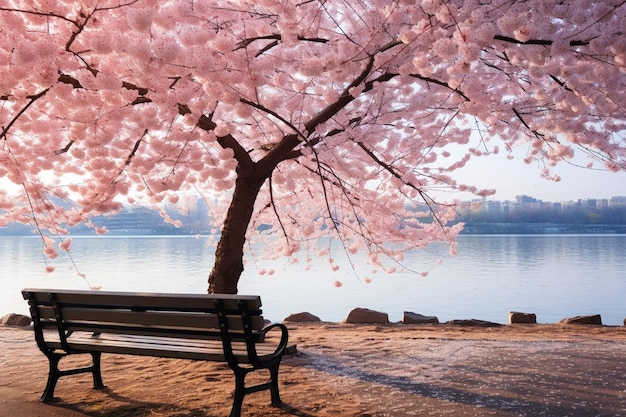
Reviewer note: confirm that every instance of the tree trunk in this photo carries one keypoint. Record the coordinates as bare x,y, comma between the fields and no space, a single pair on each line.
229,252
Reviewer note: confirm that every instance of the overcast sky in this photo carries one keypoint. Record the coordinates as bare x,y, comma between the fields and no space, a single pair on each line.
514,177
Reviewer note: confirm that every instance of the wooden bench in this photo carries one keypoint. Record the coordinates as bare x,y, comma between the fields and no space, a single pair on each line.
224,328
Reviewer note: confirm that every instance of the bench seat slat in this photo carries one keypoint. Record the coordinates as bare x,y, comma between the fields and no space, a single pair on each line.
262,350
210,350
146,331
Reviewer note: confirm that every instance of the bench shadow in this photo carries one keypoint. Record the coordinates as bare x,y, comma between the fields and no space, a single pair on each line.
518,405
135,408
291,410
130,407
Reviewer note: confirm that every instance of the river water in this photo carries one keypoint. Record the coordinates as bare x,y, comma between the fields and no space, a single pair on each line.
553,276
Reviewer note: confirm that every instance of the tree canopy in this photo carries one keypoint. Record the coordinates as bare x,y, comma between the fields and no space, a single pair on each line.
309,118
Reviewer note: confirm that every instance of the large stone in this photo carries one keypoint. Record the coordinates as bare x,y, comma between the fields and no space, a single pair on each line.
302,317
595,319
15,320
414,318
517,317
473,322
365,315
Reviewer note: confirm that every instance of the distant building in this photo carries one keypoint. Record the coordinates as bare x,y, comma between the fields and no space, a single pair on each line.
137,220
524,202
617,201
493,206
589,203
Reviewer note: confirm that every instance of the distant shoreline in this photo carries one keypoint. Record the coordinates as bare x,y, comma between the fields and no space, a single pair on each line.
541,229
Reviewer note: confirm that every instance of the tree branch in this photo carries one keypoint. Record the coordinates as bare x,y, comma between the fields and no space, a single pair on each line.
32,99
561,83
441,83
67,79
343,100
227,142
270,112
278,218
131,155
134,151
519,116
276,37
65,148
536,41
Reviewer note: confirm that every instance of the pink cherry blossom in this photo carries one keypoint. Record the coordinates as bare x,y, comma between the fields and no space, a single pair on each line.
65,244
320,120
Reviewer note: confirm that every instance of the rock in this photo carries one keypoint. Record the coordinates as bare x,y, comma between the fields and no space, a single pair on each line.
473,322
595,319
302,317
365,315
414,318
517,317
15,320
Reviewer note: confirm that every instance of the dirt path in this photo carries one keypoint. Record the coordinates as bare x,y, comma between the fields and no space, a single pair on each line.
353,370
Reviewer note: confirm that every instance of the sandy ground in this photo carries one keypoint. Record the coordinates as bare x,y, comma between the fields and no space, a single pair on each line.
352,370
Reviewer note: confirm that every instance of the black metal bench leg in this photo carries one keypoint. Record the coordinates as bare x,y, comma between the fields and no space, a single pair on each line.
240,392
96,371
53,376
276,401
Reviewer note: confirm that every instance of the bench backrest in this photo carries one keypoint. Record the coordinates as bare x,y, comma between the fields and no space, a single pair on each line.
202,316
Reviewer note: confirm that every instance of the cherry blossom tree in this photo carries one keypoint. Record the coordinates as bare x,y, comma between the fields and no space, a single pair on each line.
310,118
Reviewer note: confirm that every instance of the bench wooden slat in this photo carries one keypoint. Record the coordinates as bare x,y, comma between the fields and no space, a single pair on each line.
150,318
209,350
155,301
262,349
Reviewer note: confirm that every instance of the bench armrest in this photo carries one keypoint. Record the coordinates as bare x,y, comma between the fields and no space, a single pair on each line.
284,337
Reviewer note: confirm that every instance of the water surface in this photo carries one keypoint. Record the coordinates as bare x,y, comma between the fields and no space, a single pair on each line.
553,276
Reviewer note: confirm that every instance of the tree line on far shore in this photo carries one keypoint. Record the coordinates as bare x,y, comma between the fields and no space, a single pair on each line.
546,219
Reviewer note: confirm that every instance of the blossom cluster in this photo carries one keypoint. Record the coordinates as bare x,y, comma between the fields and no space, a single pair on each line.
112,102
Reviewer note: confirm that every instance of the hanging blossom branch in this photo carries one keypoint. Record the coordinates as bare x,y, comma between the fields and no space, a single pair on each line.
397,175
